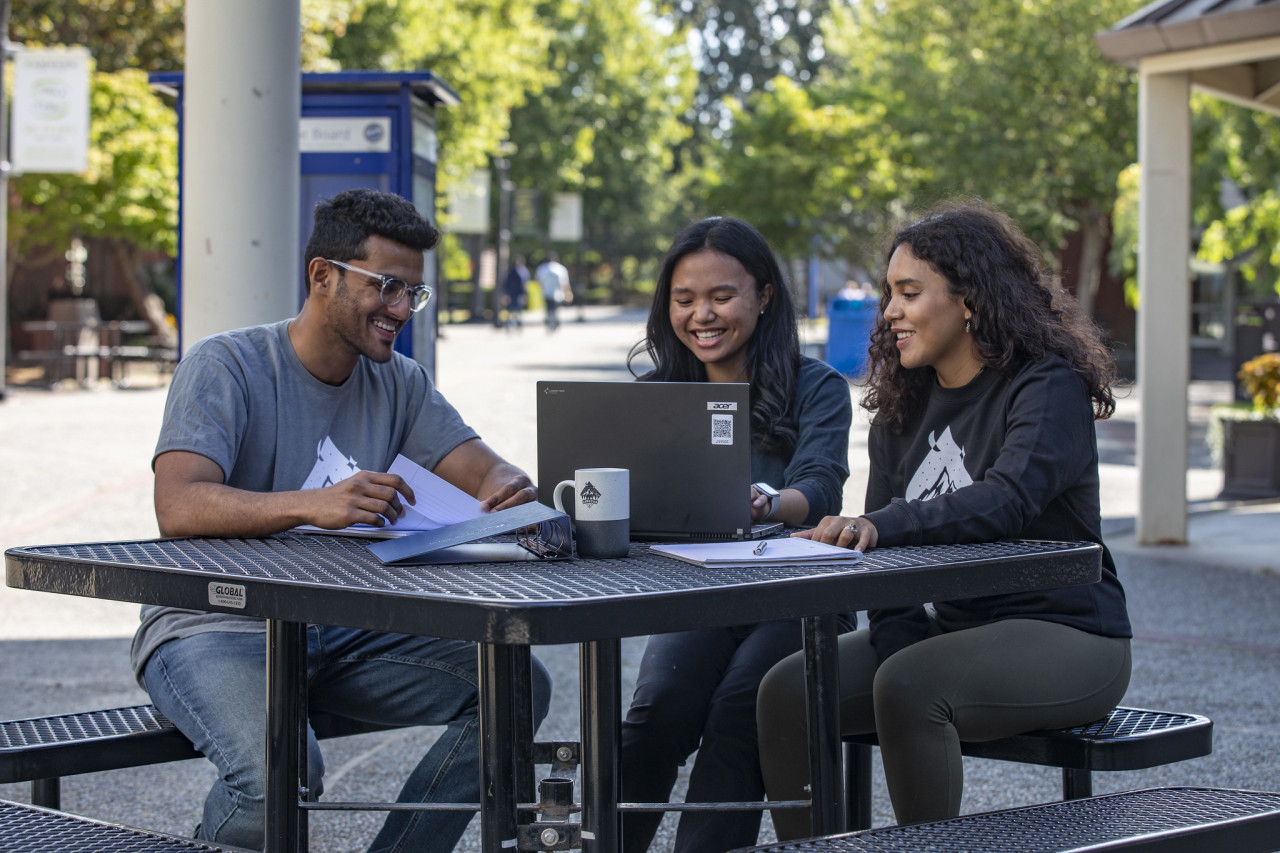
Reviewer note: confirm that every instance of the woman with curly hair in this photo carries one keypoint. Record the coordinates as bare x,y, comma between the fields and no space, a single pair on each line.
722,313
984,382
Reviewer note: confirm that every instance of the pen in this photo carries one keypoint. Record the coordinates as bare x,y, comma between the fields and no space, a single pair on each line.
759,549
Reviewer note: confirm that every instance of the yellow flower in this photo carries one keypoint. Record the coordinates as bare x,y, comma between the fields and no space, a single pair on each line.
1261,378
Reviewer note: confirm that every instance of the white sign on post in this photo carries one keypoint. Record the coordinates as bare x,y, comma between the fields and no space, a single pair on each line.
566,218
469,204
50,110
334,134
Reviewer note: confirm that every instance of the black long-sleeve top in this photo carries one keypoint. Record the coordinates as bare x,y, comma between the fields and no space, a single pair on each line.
1002,457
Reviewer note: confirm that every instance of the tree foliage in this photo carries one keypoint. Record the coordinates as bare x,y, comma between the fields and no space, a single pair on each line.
1009,100
493,52
797,170
145,34
743,45
1235,196
127,200
1236,190
127,192
608,125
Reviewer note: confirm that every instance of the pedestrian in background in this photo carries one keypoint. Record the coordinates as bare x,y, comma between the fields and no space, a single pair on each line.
514,293
554,280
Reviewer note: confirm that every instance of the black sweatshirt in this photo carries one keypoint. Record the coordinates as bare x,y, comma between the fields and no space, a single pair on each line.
1002,457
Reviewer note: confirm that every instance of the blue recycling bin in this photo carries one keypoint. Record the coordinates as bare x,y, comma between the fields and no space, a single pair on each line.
849,325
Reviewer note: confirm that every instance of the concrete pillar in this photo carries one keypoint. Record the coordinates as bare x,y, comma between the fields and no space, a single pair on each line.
240,264
1164,299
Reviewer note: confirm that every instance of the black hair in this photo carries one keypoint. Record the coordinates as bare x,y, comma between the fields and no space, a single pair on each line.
1020,311
773,353
343,224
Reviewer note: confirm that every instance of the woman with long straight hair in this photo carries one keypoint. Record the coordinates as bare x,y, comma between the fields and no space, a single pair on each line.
722,313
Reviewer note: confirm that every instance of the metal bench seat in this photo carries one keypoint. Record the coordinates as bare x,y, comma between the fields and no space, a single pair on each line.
27,829
43,749
1126,739
1155,820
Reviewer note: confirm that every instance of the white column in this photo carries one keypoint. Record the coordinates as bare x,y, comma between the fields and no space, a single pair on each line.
242,95
1164,299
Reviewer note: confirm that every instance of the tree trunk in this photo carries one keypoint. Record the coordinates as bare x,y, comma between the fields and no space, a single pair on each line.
144,300
1093,233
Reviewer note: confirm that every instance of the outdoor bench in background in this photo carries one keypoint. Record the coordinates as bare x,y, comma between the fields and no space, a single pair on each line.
1126,739
1155,820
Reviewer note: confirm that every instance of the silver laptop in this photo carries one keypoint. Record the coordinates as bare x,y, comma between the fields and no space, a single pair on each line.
686,444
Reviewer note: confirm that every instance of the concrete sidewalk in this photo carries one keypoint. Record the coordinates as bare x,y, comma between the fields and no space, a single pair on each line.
76,465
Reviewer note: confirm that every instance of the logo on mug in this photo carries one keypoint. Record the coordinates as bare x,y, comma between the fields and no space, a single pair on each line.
590,494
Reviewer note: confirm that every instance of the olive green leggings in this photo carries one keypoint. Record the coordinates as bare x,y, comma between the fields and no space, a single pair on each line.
975,684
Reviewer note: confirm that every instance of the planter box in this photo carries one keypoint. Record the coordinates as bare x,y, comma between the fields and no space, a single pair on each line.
1250,459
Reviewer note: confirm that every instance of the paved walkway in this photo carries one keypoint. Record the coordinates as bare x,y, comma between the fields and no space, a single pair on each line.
76,468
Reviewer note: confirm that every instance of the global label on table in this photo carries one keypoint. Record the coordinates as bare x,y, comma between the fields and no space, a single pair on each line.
226,595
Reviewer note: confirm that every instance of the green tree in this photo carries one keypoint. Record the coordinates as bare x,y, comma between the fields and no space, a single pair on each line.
127,199
146,34
798,170
608,128
1236,190
1003,99
1235,196
743,45
493,52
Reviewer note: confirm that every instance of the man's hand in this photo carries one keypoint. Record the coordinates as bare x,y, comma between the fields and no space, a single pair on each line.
365,497
192,500
846,532
515,491
473,467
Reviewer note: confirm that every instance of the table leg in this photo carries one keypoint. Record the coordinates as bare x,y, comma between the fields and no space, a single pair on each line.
286,736
822,702
522,743
499,683
600,666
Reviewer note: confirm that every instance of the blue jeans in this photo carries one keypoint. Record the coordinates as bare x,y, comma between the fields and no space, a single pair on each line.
213,687
696,690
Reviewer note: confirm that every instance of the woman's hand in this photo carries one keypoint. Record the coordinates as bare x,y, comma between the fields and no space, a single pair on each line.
846,532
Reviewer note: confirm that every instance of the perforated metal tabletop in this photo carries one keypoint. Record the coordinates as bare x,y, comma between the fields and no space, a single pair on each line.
1156,820
525,602
26,829
294,579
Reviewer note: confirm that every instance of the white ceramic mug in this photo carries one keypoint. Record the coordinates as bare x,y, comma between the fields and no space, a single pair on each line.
602,510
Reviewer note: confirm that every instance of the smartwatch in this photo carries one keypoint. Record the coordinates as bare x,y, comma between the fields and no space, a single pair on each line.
771,493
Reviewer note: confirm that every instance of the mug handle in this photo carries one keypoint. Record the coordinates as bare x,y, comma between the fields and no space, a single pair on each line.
555,494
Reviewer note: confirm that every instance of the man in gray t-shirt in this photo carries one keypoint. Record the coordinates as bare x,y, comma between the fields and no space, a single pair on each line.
274,426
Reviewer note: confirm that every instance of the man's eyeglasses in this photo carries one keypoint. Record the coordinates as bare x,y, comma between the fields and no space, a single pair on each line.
393,289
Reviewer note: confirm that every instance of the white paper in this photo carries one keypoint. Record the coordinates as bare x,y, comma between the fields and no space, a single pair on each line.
787,550
437,503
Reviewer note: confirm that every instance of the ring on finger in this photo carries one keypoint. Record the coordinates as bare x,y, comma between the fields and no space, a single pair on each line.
852,528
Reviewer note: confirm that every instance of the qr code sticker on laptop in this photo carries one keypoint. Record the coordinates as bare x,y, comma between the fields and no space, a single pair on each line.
722,429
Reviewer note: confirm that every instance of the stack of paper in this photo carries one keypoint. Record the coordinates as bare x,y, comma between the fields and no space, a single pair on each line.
439,504
788,551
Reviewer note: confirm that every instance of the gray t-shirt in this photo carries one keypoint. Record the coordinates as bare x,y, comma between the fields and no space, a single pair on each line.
244,400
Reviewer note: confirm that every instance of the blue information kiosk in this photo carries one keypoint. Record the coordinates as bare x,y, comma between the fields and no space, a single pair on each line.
362,129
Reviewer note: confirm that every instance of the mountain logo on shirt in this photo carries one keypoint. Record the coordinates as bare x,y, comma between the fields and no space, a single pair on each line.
941,472
332,466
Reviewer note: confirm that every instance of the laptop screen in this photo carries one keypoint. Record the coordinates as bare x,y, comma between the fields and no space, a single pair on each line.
686,444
